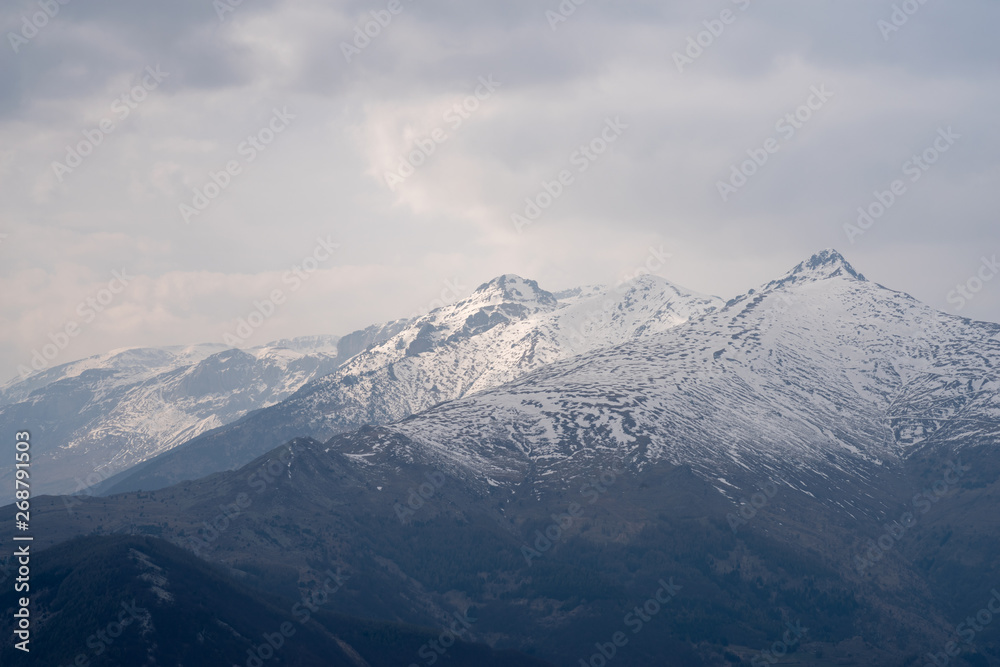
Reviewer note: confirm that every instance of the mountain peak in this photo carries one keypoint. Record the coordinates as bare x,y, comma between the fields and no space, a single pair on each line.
823,265
513,288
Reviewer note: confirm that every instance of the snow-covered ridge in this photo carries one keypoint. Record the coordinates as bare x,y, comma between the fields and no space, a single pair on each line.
102,414
821,369
134,363
116,410
506,328
819,365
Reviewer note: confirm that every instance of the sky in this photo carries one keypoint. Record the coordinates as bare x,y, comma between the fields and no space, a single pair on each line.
169,168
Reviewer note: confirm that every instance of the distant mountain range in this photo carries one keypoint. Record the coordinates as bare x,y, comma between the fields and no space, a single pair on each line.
806,474
98,416
506,328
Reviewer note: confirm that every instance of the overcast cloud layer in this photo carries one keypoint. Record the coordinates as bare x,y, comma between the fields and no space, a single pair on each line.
184,84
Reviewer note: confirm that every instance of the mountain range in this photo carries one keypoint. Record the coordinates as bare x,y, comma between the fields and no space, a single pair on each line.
98,416
805,474
505,329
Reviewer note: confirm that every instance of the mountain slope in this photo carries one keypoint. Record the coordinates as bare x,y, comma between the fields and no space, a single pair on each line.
141,601
821,366
765,456
95,417
506,328
422,555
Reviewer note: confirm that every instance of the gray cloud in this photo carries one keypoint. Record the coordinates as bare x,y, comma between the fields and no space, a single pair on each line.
354,121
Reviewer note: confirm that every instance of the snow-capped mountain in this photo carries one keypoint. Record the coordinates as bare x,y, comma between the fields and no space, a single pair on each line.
508,327
123,366
767,453
97,416
819,372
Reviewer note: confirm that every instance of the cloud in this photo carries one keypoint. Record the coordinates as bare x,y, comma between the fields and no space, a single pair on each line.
356,120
